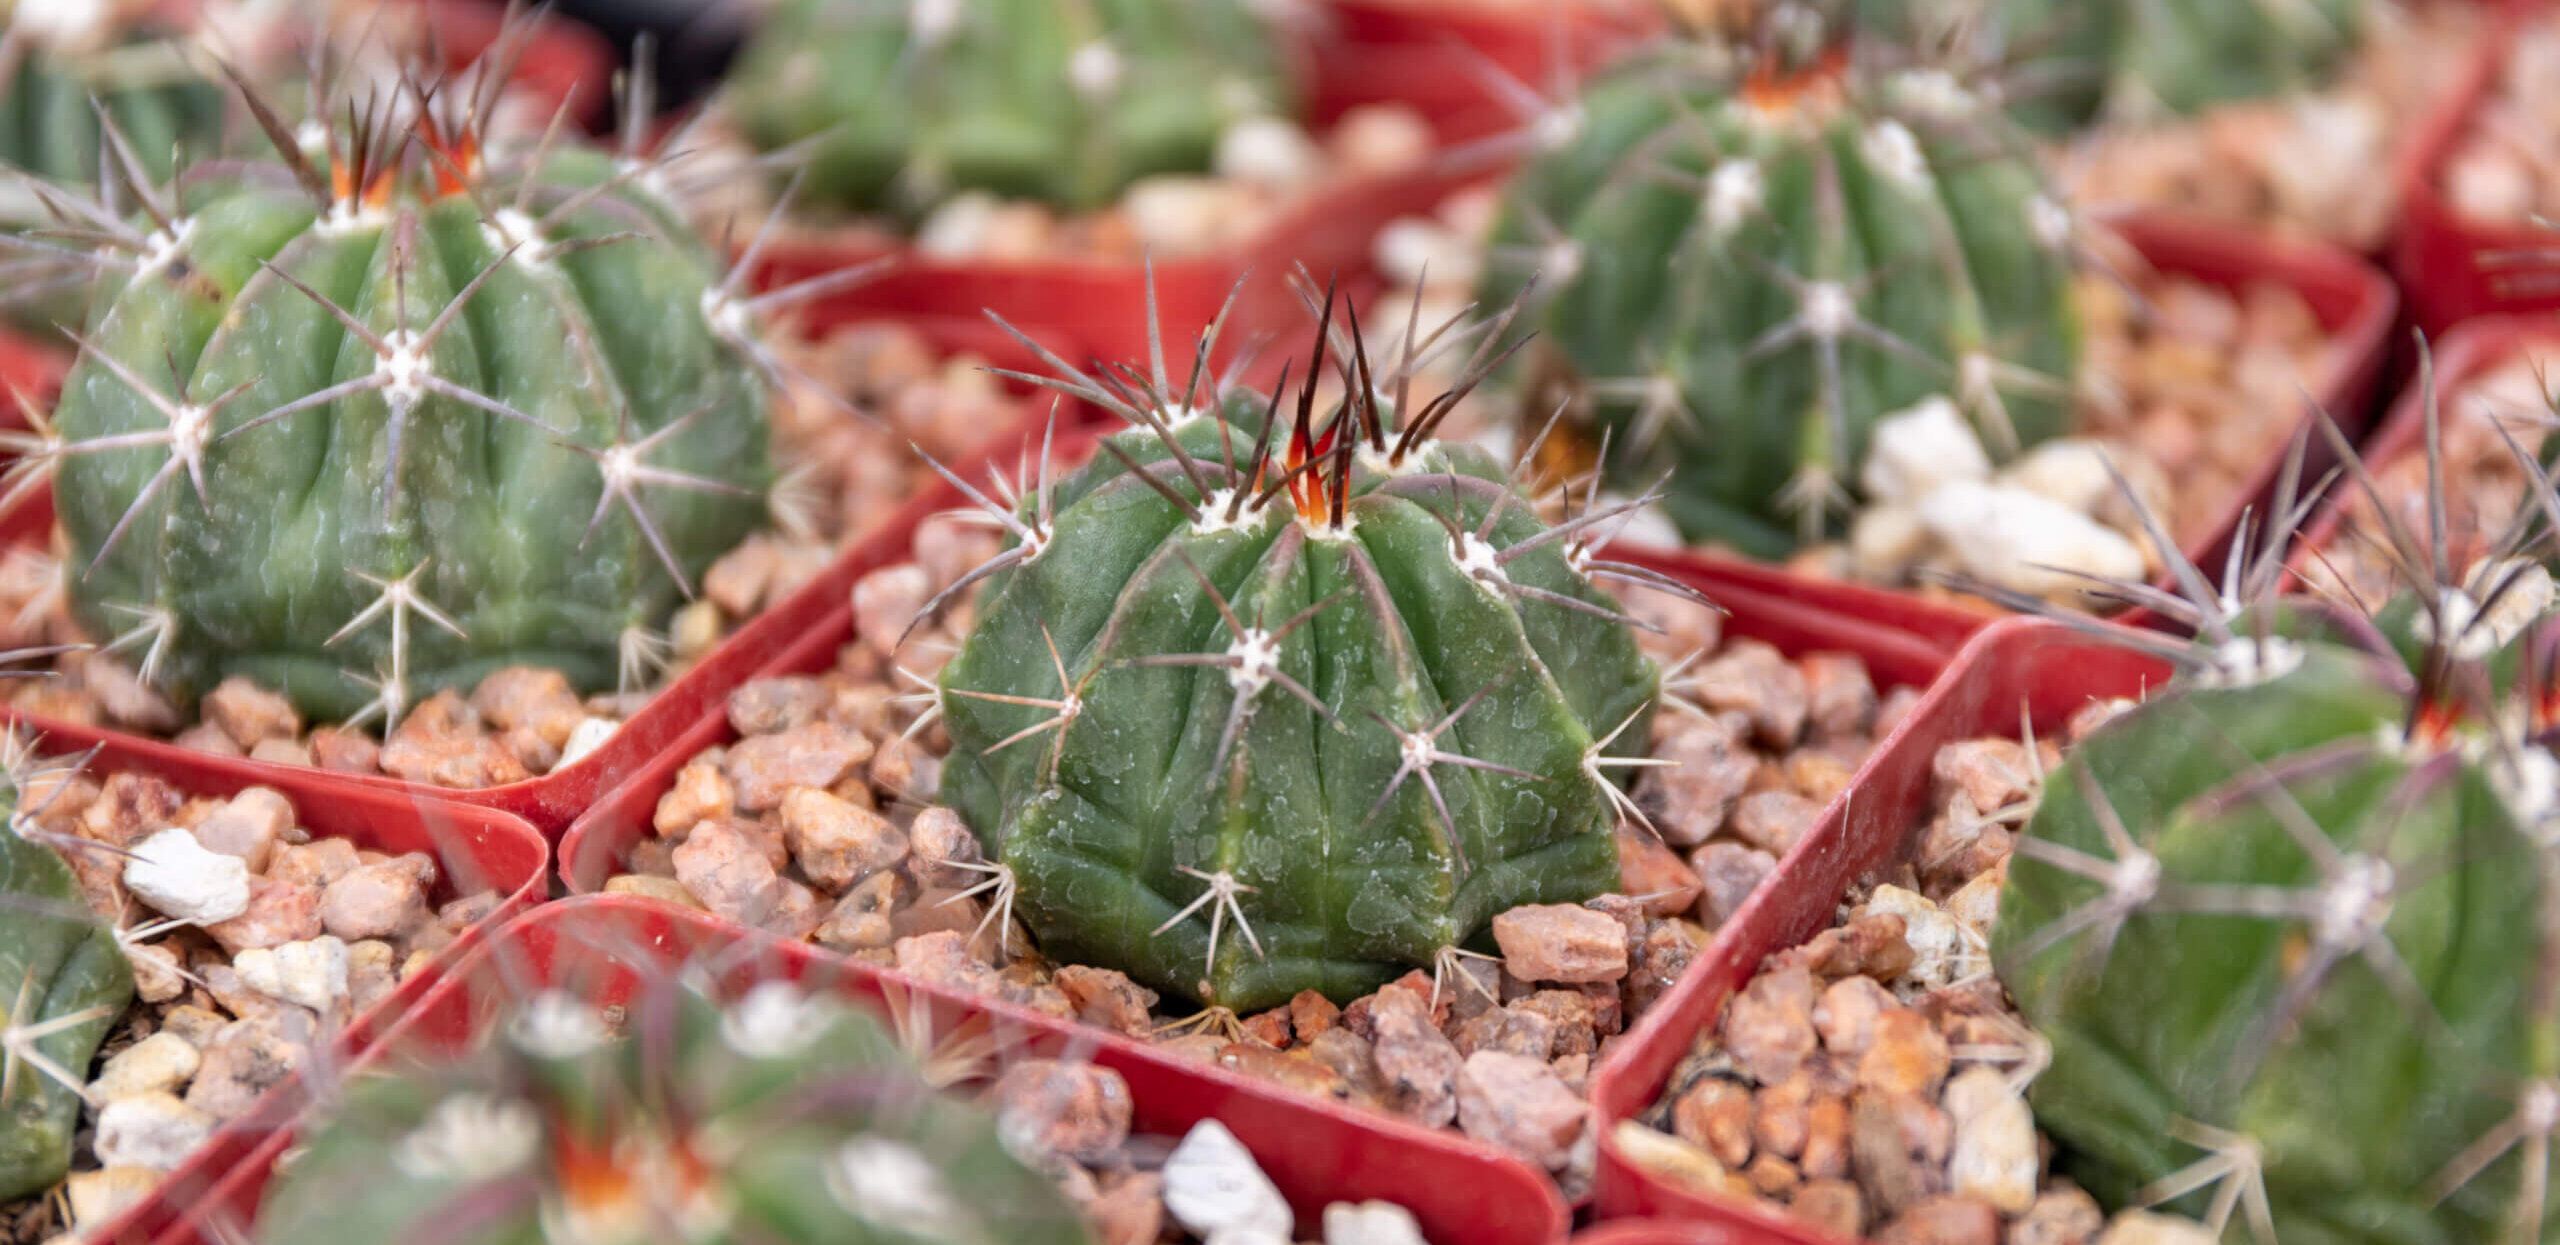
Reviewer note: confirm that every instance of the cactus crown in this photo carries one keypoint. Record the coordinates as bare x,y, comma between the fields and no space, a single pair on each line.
684,1114
1323,682
1759,248
2338,811
510,403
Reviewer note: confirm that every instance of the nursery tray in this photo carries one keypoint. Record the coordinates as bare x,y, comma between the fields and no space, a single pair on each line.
2471,349
549,801
2452,266
1450,59
2045,667
487,846
1462,1193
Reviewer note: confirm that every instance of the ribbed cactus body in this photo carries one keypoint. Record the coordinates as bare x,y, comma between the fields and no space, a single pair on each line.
1744,273
778,1117
56,963
1065,101
394,527
2079,59
2308,937
1195,765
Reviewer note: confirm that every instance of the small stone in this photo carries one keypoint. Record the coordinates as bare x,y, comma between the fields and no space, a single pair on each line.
282,752
835,843
1370,1223
1880,1155
866,916
816,754
1994,1159
774,705
1572,1015
1908,1057
1941,949
1772,1177
531,698
174,874
1716,1115
1943,1220
1071,1110
1417,1062
1916,451
1768,1027
156,1130
1214,1187
155,973
2061,1216
1175,215
373,972
1130,1212
1848,1015
1826,1140
728,871
1270,151
1511,1030
1375,139
1774,820
1709,769
248,825
699,793
1106,998
377,901
2142,1227
1782,1116
1841,696
241,1061
99,1196
944,956
1993,772
2028,543
589,735
886,602
311,973
345,751
1655,875
159,1064
249,713
1728,872
940,843
1310,1014
664,890
1561,942
196,1024
1753,679
1671,1160
1833,1205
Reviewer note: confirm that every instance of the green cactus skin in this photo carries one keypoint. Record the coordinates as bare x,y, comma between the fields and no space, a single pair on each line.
2365,1021
65,981
1063,101
2146,58
524,456
1194,821
1744,275
781,1117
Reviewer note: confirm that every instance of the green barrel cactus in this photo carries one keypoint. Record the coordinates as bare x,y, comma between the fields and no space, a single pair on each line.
1065,101
2074,61
1251,709
373,424
65,982
2287,925
1749,260
780,1117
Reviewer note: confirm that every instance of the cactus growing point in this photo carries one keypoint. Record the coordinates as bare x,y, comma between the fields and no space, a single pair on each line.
1254,706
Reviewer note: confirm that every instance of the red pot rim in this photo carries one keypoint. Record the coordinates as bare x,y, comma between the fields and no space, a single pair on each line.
2438,252
2050,669
1316,1152
489,845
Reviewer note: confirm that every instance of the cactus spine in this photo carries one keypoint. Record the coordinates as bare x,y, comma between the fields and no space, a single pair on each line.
1749,260
376,421
1252,707
1066,101
781,1117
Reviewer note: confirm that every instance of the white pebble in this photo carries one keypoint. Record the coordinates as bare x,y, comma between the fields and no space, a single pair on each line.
179,878
1918,450
1940,948
2142,1227
311,973
1213,1187
2072,471
960,227
1179,215
1994,1160
1413,248
1268,150
1370,1223
2009,536
156,1131
158,1064
587,736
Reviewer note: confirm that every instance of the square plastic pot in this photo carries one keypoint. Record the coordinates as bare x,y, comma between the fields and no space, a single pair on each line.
550,801
2451,266
2045,668
482,847
1462,1193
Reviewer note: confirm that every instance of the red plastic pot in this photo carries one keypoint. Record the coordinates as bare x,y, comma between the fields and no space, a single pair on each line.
2048,669
1316,1153
562,62
1904,642
474,848
2452,266
2355,304
1450,59
551,800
